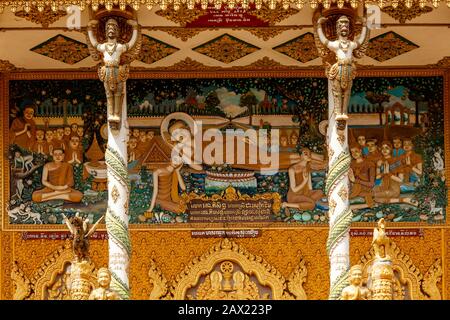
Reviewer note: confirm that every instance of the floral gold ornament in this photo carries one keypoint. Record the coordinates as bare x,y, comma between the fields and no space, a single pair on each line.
153,50
44,18
389,45
63,49
228,271
226,48
6,66
273,5
401,13
302,48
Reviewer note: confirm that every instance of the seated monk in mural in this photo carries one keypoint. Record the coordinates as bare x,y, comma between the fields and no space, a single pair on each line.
57,177
301,194
22,131
362,176
165,186
389,170
412,162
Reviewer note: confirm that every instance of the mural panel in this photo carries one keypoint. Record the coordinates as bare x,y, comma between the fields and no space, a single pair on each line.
273,170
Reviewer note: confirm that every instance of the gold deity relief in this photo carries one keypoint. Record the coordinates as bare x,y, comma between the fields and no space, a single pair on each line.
228,271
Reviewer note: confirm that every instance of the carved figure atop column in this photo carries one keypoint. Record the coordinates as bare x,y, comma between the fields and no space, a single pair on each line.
342,72
113,73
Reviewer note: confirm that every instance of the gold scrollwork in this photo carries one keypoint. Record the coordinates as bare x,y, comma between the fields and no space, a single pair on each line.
228,271
409,282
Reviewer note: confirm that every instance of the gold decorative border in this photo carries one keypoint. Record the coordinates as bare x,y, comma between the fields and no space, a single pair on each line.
234,72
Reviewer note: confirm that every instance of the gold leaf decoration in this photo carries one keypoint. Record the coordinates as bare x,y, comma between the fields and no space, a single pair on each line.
153,50
63,49
226,48
264,63
44,18
389,45
302,48
273,16
184,33
181,16
267,33
5,65
403,13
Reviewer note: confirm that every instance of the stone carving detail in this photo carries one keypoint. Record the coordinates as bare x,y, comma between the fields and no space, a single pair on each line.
44,18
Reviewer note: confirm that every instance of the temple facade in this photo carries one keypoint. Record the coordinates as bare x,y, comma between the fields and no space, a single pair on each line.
225,150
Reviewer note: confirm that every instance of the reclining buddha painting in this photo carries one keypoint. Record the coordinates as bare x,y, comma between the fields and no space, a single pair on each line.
259,151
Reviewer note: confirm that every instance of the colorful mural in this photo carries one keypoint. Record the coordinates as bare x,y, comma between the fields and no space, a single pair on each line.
57,138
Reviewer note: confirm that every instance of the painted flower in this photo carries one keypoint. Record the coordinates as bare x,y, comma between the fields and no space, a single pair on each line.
68,91
88,97
74,101
43,92
99,103
55,100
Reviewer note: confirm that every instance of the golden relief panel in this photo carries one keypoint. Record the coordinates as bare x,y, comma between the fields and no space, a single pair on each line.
226,48
63,49
181,16
6,66
302,48
167,254
389,45
45,17
153,50
402,13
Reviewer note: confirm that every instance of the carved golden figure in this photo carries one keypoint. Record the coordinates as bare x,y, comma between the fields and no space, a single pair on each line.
81,232
381,243
356,291
113,74
57,178
103,292
342,72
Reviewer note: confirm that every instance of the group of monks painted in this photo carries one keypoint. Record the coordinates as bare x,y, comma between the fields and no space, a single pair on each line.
379,169
63,144
48,159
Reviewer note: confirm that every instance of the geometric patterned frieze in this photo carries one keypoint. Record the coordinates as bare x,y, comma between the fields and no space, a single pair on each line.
302,48
389,45
226,48
153,50
63,49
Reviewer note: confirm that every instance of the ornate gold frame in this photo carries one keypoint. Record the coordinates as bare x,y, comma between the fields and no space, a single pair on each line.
214,72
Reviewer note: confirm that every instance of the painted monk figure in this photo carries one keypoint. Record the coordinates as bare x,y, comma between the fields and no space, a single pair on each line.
373,153
389,170
301,194
74,150
57,177
362,175
40,145
23,129
412,162
165,186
